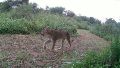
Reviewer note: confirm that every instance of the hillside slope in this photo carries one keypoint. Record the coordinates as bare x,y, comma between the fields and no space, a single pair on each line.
26,51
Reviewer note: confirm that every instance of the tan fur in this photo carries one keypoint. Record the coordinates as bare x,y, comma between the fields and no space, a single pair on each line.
54,35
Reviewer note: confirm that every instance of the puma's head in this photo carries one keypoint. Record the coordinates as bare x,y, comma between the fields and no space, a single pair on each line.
44,31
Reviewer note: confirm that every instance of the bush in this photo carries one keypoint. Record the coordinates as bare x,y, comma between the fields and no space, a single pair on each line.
25,26
106,31
13,26
23,20
115,52
83,25
108,58
56,22
23,11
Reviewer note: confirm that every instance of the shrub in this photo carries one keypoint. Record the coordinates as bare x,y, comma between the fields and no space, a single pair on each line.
23,11
106,31
83,25
108,58
115,52
42,19
56,22
13,26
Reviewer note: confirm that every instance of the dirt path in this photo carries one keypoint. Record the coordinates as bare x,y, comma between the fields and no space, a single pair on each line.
25,51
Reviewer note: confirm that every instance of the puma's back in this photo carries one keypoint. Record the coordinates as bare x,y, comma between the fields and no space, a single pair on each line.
54,33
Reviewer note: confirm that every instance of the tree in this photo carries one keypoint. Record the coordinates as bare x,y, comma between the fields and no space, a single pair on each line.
8,4
25,1
34,8
98,21
92,20
47,7
84,18
4,6
110,21
58,10
22,1
69,13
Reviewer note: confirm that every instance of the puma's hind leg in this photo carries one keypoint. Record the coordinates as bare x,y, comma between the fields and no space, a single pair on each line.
68,39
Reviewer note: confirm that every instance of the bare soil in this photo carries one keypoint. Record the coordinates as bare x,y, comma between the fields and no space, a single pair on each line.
26,51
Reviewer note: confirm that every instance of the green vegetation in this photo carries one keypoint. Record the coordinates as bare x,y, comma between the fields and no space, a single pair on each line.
108,30
23,20
27,18
108,58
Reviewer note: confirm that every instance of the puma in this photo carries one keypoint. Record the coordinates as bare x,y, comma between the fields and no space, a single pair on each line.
55,34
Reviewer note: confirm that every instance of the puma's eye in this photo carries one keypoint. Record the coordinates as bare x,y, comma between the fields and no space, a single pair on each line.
42,34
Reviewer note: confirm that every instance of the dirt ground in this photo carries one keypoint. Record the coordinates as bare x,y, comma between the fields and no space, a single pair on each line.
26,51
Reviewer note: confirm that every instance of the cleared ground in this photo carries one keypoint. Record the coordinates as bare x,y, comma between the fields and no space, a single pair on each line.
26,51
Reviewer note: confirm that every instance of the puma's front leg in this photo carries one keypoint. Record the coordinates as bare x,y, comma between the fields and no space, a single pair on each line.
54,41
62,43
46,42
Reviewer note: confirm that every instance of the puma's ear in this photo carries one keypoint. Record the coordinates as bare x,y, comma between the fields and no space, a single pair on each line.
45,27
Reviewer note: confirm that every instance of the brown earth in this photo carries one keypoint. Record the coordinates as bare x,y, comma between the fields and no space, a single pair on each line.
26,51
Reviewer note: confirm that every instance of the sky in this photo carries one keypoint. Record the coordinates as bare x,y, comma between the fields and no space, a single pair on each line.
100,9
